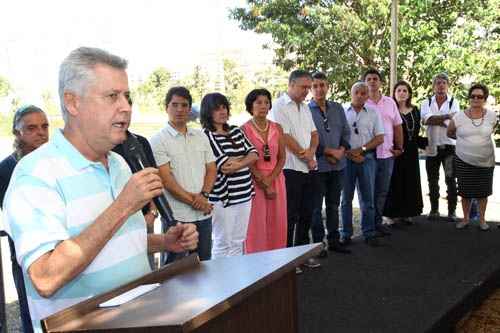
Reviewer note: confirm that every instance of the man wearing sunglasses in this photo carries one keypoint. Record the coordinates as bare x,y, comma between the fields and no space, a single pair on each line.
367,133
436,113
334,133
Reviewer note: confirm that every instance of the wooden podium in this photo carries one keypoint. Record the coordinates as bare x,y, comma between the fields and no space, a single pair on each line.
251,293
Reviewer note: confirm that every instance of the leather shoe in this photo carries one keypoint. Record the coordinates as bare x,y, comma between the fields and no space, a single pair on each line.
433,215
337,247
345,241
383,230
372,241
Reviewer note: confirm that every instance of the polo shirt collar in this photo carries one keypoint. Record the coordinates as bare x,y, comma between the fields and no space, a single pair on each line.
172,131
75,158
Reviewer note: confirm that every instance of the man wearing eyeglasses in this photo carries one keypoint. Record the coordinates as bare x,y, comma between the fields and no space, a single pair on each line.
31,130
301,140
392,146
367,133
436,112
334,134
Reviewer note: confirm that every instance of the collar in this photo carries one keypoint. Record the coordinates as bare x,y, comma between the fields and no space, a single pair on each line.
75,158
287,99
350,108
172,131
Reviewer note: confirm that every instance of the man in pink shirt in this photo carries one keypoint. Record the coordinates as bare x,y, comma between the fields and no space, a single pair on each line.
392,146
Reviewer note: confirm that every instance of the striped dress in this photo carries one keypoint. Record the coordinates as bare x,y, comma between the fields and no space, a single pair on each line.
237,187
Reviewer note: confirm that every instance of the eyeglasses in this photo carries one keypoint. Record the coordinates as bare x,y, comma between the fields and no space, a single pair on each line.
354,125
476,97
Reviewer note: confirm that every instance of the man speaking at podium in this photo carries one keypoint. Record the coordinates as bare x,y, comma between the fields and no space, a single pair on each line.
73,207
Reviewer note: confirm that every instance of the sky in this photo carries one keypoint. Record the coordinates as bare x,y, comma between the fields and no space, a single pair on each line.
35,36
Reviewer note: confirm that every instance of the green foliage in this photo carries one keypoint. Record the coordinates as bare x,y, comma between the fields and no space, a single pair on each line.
149,95
344,38
197,83
5,87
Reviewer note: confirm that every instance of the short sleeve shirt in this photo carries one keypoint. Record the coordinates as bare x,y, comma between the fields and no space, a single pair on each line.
55,194
437,134
389,113
296,121
365,125
188,156
474,139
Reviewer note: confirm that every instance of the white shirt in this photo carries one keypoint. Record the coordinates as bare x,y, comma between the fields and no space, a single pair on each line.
437,134
296,121
474,139
188,156
368,124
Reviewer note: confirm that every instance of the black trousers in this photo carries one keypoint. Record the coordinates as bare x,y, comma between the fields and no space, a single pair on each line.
445,157
299,196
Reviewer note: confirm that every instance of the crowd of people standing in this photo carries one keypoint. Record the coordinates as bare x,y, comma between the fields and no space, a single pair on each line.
275,173
232,190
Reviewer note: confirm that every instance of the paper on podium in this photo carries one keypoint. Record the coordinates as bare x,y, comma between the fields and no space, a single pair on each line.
129,295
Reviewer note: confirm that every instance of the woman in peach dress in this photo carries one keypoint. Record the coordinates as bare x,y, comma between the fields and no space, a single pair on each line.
267,229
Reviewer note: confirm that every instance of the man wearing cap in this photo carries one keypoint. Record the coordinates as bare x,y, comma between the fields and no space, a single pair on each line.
31,129
436,112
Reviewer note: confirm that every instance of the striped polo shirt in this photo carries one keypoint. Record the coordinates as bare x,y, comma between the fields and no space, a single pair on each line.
237,187
54,194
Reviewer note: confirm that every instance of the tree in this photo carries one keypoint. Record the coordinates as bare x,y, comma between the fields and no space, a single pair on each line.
197,83
5,87
344,38
149,95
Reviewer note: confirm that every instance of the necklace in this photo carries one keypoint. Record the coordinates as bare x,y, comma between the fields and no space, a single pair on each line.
260,129
473,120
412,129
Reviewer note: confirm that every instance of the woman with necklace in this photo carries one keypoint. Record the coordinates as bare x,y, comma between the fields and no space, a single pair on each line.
233,189
475,153
267,229
405,194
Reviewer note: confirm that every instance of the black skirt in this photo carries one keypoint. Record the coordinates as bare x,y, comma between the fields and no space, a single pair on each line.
473,181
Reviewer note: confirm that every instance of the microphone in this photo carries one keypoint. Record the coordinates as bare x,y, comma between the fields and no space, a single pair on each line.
137,159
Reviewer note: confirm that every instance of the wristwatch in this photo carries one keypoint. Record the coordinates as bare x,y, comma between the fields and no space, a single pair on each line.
205,194
363,149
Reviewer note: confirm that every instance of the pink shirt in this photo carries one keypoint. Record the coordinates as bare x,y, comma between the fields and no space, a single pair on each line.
388,111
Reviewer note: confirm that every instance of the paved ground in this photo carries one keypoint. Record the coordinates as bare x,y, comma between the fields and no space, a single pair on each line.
493,214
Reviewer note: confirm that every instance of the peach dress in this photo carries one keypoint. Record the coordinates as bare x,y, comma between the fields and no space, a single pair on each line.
267,229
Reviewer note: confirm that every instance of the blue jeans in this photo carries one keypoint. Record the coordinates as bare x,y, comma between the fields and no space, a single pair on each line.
204,228
328,186
364,176
382,185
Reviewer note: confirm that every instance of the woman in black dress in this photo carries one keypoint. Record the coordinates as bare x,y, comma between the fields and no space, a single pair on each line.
405,194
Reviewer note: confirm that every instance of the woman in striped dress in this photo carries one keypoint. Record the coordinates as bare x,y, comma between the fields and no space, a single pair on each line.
233,189
475,153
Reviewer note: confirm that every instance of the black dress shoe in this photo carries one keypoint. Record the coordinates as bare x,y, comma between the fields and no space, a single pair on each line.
345,241
323,254
337,247
383,230
372,241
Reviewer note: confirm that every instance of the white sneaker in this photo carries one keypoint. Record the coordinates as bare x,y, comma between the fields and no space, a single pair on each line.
387,220
484,226
461,225
298,270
